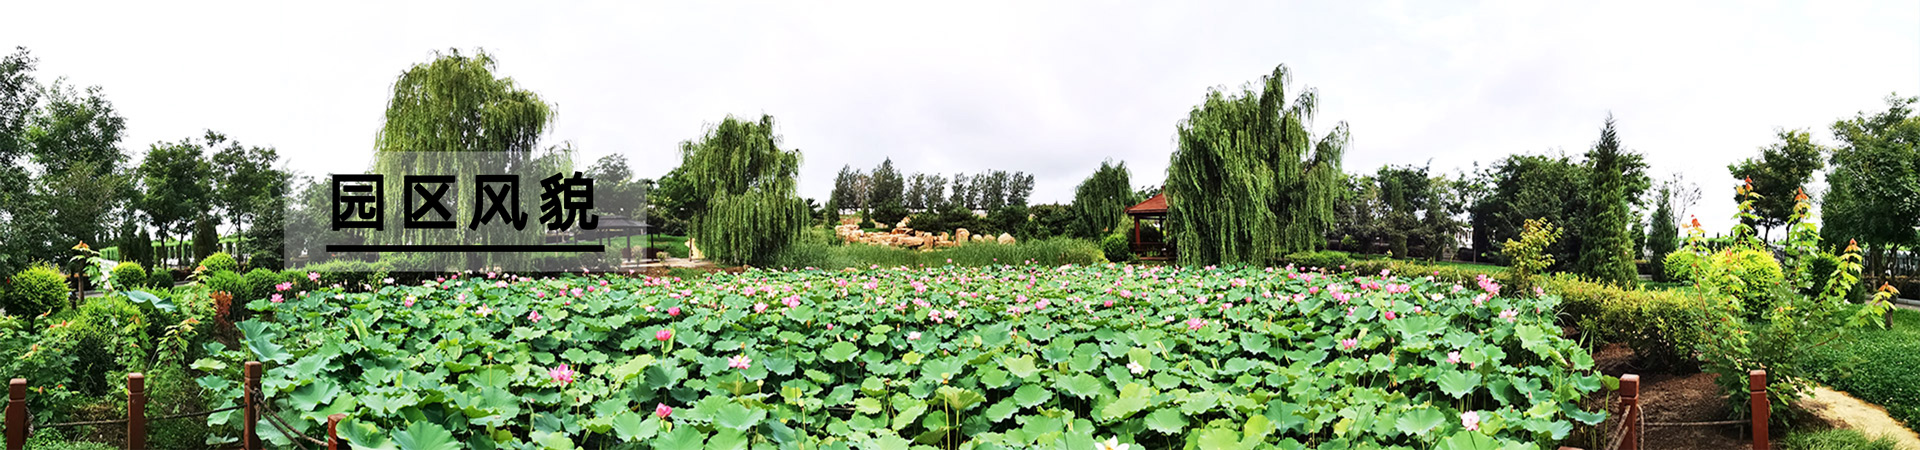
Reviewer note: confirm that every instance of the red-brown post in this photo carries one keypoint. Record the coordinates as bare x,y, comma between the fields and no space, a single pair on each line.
136,411
1630,408
333,432
250,437
17,414
1757,387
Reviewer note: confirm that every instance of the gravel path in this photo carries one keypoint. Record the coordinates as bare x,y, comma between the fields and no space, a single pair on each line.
1845,411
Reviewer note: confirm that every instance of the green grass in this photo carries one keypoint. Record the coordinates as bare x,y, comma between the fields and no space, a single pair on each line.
675,245
1489,268
1877,365
1836,440
817,252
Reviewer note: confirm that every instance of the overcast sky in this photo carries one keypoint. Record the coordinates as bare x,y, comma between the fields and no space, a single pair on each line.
1050,88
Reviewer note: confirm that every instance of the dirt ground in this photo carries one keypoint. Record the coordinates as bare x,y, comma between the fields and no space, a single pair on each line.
1695,398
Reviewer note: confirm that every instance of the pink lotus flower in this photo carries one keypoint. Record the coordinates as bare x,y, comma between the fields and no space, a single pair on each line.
662,410
1509,315
1195,323
649,308
277,299
562,375
1471,420
741,362
1108,304
408,303
484,310
759,307
674,311
913,336
663,334
1390,315
313,276
1453,357
1349,343
283,287
534,316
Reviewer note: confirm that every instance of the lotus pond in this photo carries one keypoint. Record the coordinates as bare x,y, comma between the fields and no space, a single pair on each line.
1011,356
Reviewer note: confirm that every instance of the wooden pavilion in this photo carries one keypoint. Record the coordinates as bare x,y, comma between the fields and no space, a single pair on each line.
1154,209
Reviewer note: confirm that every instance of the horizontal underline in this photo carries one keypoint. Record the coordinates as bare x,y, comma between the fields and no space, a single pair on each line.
464,248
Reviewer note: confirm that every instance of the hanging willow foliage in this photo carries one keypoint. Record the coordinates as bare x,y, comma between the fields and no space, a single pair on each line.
1248,182
1100,202
454,116
747,208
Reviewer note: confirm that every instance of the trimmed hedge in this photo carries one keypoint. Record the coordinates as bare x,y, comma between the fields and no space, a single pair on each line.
219,261
1051,251
129,275
1330,260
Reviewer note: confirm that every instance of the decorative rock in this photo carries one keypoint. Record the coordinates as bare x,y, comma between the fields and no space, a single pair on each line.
903,222
1006,238
693,251
960,235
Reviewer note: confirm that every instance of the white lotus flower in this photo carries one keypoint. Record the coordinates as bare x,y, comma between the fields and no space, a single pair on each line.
1112,443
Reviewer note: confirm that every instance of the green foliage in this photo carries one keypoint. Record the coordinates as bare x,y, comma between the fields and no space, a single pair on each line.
1836,439
1781,171
1873,192
1679,265
1606,252
170,390
1665,328
1039,363
1528,257
1248,182
129,274
1663,235
176,176
54,440
229,282
1117,247
1100,201
160,278
949,219
1876,365
822,255
257,284
37,290
751,210
109,338
1749,274
1327,259
219,261
886,193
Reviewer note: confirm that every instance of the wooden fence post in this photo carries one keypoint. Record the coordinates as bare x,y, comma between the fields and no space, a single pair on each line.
1757,391
333,432
250,436
17,414
1630,411
136,411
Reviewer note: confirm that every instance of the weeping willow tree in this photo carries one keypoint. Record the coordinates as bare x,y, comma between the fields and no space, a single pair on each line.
1100,201
1249,183
454,116
746,208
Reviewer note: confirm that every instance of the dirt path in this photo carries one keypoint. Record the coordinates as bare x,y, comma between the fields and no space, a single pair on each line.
1844,411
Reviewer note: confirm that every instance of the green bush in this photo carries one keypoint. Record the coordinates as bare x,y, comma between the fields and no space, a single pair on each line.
1457,273
1327,259
35,291
1665,328
1116,247
219,261
54,439
1751,275
1680,265
349,273
129,275
1819,270
258,284
108,335
170,390
161,278
228,282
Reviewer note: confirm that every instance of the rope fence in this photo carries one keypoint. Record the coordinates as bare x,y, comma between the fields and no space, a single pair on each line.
253,405
1629,434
